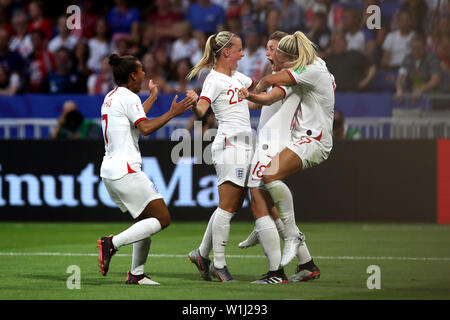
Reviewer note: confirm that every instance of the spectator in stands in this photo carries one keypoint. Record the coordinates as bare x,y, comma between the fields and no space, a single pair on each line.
88,21
12,61
438,7
319,33
99,45
5,18
397,43
9,83
72,125
154,72
234,25
272,22
101,82
439,41
38,21
179,83
81,54
206,16
200,38
254,61
163,60
341,131
185,46
420,71
64,79
63,38
134,48
148,40
233,10
247,15
352,70
259,14
121,18
418,10
40,62
334,13
351,24
165,20
21,40
291,16
377,36
122,46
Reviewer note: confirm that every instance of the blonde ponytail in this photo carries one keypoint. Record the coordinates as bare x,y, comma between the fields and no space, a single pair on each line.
299,45
213,48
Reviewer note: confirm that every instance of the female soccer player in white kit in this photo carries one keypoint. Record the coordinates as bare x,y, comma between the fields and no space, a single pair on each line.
123,118
273,133
231,149
311,139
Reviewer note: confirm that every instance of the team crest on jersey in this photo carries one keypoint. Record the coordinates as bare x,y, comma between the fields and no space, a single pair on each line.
239,173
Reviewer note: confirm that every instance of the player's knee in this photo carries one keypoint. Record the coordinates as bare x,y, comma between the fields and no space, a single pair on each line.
254,207
253,204
257,209
231,205
165,221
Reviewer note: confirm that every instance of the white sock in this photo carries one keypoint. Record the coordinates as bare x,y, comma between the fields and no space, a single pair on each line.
138,231
206,245
220,233
270,241
140,254
303,255
282,198
280,228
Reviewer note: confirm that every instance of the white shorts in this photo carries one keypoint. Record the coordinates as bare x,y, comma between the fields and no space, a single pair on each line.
265,151
309,150
232,164
132,192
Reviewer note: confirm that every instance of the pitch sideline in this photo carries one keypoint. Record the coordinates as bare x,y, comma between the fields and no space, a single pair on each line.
69,254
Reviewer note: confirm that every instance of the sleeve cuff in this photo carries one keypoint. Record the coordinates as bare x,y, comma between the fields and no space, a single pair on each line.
206,98
284,91
292,77
252,85
139,120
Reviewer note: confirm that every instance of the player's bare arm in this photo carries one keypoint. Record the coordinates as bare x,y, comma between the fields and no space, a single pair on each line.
263,98
281,78
147,105
200,108
147,127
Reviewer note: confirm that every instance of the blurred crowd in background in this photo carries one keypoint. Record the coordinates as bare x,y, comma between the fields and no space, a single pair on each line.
39,54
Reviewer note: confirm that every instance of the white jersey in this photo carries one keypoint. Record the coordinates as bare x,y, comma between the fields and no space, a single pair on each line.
232,113
121,112
315,116
274,132
279,116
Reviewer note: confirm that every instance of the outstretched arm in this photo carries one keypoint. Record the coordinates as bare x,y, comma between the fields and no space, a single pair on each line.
147,105
282,78
147,127
200,108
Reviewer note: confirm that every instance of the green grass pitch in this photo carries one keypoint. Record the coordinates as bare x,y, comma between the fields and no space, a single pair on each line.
414,262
